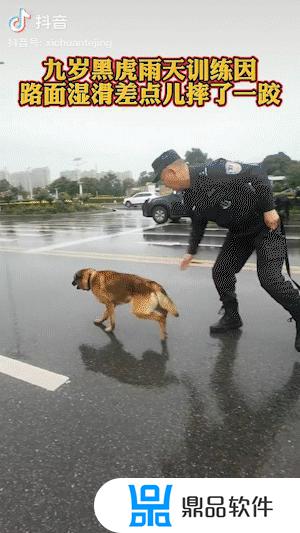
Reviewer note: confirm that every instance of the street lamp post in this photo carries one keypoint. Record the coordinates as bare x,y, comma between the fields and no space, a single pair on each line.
78,161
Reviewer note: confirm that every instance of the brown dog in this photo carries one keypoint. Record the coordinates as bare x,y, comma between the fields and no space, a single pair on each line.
149,299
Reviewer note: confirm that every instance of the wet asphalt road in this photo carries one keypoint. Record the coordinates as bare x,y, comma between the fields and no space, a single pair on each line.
202,406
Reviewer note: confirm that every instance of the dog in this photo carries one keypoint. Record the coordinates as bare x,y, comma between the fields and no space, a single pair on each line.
149,299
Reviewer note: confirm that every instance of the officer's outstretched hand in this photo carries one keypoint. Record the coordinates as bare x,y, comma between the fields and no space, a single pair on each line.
185,261
272,219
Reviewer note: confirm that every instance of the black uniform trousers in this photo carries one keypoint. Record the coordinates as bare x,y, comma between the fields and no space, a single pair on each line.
271,249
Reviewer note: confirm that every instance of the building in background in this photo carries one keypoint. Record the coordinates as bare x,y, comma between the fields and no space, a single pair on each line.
40,177
4,174
76,174
69,174
276,178
123,175
126,174
30,178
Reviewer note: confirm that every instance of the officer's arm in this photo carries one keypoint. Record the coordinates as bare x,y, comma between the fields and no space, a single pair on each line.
265,201
260,182
197,231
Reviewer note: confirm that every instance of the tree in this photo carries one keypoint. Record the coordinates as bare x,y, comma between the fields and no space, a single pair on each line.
276,164
11,194
41,194
195,157
110,184
62,196
22,192
4,185
90,185
145,177
64,185
293,174
128,183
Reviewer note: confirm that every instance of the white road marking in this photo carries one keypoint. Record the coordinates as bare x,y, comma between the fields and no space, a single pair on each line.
291,226
31,235
137,259
150,259
3,239
31,374
165,234
88,239
167,243
17,250
50,230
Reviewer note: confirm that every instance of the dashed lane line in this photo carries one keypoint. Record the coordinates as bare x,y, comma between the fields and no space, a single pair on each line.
31,374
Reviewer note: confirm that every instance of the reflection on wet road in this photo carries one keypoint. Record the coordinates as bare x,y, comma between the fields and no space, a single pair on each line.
136,232
239,443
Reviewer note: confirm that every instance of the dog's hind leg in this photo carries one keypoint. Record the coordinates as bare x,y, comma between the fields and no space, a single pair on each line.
158,318
144,310
163,324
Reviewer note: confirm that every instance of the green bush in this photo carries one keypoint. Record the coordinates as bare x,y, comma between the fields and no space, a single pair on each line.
104,199
37,208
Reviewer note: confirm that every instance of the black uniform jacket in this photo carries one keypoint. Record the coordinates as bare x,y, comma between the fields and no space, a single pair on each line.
234,201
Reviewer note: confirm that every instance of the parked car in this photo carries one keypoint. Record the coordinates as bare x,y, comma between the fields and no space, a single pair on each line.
288,192
171,207
165,207
139,198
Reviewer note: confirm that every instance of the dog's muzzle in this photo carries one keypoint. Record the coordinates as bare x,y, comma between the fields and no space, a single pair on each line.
74,283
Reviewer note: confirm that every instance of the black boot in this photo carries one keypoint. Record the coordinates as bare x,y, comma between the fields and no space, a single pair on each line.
296,316
297,339
230,320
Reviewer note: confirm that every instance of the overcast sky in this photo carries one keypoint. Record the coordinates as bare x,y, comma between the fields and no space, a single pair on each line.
128,138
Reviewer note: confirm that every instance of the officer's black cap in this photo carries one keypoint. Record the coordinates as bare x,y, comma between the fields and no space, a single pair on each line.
162,162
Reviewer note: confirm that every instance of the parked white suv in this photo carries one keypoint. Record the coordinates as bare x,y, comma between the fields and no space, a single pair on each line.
139,198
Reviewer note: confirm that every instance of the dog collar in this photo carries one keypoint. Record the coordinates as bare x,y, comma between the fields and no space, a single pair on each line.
89,281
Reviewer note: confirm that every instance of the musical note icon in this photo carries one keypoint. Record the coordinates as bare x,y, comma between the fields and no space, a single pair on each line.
18,23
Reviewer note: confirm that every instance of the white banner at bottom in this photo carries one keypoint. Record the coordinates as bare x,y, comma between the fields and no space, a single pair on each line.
192,505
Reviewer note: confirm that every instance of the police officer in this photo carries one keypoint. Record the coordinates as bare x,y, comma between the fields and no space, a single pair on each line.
237,197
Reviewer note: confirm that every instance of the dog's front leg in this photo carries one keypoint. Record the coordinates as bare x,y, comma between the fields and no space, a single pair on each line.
111,315
104,317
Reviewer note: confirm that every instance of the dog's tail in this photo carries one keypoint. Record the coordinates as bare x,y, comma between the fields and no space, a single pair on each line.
165,302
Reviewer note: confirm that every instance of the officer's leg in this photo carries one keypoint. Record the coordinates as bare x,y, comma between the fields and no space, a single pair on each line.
271,251
231,259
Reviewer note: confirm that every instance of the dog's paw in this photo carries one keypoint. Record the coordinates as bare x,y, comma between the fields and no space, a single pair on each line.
98,321
109,329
